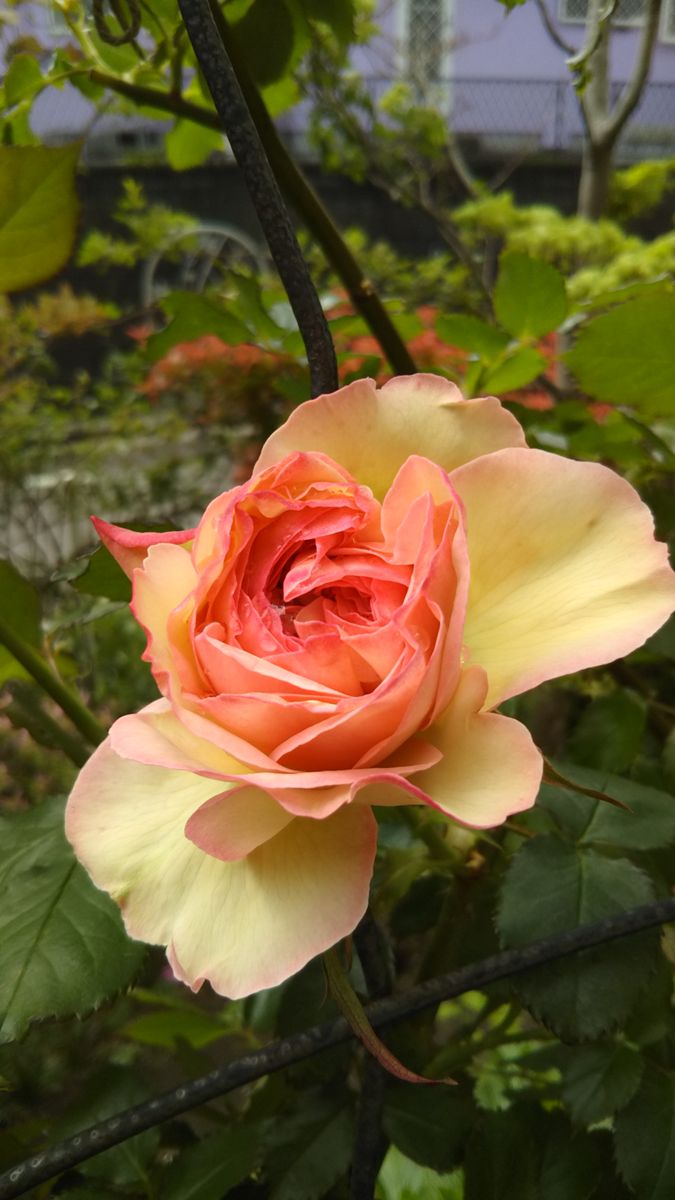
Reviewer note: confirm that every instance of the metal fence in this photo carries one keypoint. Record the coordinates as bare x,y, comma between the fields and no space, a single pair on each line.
492,116
504,116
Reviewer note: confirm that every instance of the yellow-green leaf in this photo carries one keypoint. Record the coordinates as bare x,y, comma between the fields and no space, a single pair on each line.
38,212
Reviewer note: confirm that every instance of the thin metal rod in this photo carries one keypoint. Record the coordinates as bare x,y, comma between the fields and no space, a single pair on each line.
67,1154
264,192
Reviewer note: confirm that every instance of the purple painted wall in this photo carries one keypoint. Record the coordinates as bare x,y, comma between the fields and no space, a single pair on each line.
504,84
492,42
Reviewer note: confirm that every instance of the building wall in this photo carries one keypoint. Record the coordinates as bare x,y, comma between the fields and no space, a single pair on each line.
502,83
492,41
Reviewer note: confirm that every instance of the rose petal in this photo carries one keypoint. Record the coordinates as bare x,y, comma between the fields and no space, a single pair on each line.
565,572
156,737
421,414
162,586
230,826
244,925
490,766
129,548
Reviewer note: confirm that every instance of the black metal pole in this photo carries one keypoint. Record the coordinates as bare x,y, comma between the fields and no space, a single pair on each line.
265,195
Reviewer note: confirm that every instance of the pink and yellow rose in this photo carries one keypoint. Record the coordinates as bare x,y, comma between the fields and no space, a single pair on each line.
335,635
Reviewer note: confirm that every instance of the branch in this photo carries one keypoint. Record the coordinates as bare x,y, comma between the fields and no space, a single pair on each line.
68,701
630,96
551,29
288,1051
262,186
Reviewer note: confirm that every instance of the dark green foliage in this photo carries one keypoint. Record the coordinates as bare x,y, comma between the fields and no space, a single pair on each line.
430,1125
67,951
571,885
645,1138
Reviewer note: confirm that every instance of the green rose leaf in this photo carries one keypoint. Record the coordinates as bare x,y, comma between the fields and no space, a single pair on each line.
109,1091
649,825
574,1163
609,732
38,213
429,1125
63,948
310,1151
627,355
500,1160
588,993
599,1080
212,1168
530,298
644,1137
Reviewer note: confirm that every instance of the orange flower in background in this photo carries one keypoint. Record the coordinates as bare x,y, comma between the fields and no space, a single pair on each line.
335,635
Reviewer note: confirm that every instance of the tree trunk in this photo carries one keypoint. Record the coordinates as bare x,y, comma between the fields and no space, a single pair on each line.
596,174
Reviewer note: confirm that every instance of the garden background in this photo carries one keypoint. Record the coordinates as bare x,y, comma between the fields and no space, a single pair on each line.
146,357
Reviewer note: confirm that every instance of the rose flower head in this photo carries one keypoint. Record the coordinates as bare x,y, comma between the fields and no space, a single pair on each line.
335,635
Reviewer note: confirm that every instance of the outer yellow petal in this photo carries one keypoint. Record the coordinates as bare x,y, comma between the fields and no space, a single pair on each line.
565,572
242,925
373,431
490,766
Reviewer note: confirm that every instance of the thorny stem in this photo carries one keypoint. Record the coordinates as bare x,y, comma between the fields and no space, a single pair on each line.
264,192
284,1053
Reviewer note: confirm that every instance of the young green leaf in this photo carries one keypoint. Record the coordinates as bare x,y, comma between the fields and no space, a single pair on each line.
520,368
23,79
193,316
402,1179
189,145
589,993
627,355
529,298
38,212
470,333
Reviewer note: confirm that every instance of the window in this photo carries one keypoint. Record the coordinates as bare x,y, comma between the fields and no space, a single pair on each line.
627,12
667,30
426,36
